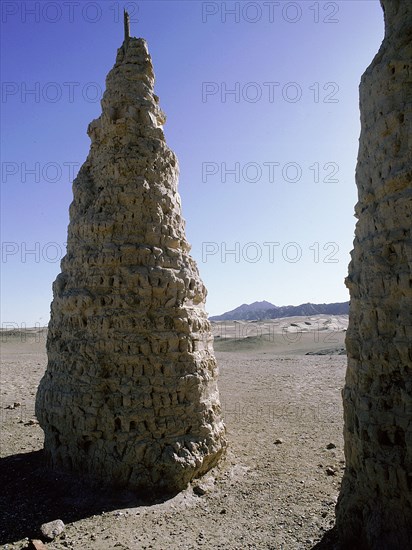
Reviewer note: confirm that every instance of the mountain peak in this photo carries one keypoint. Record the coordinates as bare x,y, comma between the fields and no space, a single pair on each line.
260,305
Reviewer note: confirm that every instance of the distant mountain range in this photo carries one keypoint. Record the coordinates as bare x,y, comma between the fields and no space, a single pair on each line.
266,310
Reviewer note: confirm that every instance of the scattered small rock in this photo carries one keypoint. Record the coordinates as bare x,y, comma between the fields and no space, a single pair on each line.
223,511
207,485
331,446
279,441
200,490
36,544
52,529
330,471
32,423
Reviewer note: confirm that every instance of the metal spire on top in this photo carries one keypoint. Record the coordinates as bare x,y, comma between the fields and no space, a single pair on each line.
126,26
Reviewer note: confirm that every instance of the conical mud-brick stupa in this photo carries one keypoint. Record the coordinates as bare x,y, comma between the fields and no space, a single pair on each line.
375,505
130,393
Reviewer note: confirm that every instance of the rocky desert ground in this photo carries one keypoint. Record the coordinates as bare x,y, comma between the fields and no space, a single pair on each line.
276,488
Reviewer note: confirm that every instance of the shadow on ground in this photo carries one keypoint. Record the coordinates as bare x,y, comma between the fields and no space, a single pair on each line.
329,541
32,495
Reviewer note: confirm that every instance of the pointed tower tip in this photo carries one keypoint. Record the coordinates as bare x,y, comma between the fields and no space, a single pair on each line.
126,26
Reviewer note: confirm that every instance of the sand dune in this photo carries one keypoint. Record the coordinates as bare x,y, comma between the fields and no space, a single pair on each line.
289,335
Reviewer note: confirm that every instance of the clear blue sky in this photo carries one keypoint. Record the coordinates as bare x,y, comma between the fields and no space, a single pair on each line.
272,162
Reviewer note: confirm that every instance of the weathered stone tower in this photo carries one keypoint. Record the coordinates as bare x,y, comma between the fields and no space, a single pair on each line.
130,393
375,505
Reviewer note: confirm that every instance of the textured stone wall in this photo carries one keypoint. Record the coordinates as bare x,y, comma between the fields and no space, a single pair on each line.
375,505
130,392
